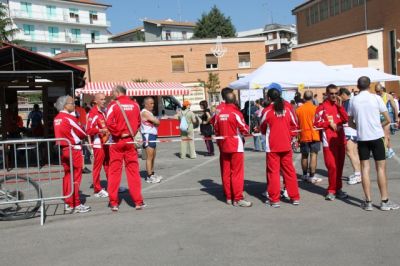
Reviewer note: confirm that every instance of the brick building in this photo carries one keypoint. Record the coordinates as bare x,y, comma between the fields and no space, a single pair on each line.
359,32
174,61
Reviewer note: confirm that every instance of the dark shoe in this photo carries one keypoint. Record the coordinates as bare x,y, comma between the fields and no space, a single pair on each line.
86,171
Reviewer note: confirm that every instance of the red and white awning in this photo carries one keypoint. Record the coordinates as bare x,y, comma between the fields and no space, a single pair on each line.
135,88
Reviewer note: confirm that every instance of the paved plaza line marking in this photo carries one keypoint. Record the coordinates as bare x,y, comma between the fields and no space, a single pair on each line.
296,161
180,174
200,189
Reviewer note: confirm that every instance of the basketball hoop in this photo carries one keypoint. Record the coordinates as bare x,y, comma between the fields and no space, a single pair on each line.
219,51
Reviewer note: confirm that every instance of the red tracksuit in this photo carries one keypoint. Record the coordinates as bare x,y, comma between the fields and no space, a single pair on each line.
333,142
96,121
121,151
66,126
228,123
278,133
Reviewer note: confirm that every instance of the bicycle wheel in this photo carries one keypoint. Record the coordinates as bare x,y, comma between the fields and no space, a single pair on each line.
18,188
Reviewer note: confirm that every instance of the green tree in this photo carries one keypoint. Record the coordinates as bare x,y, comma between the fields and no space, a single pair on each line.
214,24
212,86
6,30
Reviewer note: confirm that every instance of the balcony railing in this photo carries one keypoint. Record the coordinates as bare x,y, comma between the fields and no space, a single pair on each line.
64,17
46,38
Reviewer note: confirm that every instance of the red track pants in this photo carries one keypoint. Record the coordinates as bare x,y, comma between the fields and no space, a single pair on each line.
277,161
232,172
101,158
77,163
119,153
334,156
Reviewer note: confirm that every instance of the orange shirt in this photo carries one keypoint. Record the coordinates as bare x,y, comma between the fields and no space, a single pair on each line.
306,114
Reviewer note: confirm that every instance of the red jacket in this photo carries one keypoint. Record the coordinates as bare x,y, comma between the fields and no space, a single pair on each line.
115,121
325,112
229,123
278,129
66,126
96,121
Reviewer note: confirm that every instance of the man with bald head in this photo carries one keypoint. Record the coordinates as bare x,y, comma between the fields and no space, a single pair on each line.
310,143
97,130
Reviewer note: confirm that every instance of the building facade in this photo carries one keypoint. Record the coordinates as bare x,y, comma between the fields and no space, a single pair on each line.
188,61
358,32
52,26
277,36
157,30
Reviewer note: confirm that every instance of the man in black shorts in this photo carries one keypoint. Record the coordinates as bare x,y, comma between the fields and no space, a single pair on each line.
364,116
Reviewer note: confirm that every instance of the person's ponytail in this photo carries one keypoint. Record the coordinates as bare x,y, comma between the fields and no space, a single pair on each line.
276,98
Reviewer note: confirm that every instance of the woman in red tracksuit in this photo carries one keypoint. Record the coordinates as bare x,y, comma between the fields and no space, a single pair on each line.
277,124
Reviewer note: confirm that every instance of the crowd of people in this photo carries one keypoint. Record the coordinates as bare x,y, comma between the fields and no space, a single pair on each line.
344,123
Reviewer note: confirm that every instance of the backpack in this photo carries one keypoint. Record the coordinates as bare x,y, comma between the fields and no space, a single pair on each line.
183,126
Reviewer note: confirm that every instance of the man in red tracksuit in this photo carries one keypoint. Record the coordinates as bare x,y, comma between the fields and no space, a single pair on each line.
228,123
278,123
66,126
121,150
330,116
97,130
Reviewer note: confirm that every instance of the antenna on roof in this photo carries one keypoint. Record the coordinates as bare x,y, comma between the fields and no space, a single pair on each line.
179,11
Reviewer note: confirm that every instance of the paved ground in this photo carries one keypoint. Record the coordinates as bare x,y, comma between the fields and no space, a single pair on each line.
186,223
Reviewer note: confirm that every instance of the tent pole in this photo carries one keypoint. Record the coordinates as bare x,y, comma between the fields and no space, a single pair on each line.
13,58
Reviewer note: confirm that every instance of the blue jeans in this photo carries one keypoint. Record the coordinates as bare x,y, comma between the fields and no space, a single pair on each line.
259,143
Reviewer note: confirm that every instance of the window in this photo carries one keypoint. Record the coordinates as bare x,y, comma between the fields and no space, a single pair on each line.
334,7
53,33
32,49
178,63
76,35
168,35
95,36
372,52
74,14
358,2
184,35
170,103
29,30
26,8
323,9
51,11
393,52
244,59
314,16
345,5
93,16
55,51
211,61
270,48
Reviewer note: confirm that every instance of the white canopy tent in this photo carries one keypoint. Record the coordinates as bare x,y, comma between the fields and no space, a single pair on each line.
313,74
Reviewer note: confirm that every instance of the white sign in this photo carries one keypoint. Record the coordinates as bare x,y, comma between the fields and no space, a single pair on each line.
197,94
250,95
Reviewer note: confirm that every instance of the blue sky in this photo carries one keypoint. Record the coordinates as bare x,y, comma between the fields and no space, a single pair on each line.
245,14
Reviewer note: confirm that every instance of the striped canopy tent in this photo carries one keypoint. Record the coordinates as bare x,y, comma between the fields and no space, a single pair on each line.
135,88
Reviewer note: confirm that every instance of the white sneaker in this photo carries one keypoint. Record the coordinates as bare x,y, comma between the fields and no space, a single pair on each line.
68,208
354,179
101,194
305,177
152,179
82,209
284,194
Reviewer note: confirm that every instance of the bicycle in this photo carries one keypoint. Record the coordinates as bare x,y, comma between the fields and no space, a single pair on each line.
20,196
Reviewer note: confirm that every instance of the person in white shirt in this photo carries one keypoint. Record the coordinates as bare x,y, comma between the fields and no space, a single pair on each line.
364,116
351,138
148,128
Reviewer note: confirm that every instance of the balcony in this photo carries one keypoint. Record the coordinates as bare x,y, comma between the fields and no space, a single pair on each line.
61,39
59,17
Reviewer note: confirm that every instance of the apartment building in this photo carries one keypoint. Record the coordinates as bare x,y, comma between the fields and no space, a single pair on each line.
52,26
157,30
278,36
363,33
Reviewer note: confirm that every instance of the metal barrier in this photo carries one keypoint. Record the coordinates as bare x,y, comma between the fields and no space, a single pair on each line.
27,168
